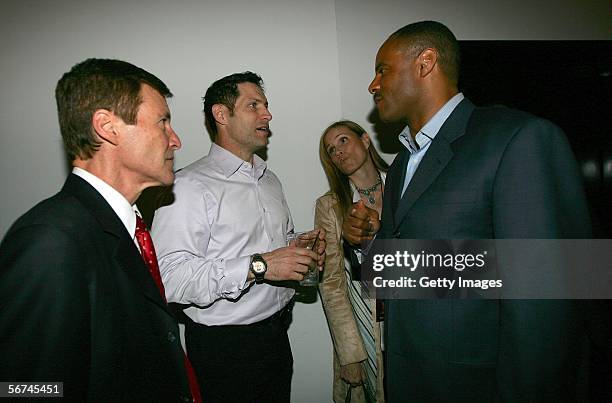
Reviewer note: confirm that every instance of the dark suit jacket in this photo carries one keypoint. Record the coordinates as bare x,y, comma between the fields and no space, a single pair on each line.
78,305
489,173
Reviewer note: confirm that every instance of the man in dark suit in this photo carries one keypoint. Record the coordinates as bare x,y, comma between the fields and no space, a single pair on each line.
78,304
472,173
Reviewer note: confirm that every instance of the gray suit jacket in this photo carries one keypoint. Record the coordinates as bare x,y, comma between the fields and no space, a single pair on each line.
489,173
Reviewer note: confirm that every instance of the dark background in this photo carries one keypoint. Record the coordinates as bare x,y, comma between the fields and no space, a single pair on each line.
567,82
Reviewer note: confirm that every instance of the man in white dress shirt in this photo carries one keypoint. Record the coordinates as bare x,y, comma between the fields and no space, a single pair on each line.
221,249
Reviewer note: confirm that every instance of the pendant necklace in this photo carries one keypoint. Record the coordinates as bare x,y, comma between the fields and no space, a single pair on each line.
368,192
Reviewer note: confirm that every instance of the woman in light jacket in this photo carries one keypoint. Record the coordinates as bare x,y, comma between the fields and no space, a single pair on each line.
355,171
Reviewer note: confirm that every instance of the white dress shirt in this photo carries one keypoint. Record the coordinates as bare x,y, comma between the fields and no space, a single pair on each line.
124,210
224,210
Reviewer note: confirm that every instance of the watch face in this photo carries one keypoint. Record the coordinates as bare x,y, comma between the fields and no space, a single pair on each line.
258,267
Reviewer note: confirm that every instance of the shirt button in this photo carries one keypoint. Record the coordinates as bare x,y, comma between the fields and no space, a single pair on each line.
171,337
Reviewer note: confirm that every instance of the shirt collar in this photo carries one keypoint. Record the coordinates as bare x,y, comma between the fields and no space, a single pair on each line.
431,128
230,163
124,210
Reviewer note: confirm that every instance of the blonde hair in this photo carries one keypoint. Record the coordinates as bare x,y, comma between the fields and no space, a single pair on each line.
339,182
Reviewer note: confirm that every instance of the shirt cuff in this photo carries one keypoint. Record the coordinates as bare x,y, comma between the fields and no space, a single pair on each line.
236,273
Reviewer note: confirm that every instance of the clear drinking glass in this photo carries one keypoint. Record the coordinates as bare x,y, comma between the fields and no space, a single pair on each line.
308,240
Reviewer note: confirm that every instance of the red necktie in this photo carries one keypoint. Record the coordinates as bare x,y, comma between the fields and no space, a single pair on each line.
148,254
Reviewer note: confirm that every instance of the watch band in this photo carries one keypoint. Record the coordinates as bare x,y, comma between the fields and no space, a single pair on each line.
258,267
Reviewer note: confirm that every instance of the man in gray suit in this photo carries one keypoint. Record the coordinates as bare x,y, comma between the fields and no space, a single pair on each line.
471,173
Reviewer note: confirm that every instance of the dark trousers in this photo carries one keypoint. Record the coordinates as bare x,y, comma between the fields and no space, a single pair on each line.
242,363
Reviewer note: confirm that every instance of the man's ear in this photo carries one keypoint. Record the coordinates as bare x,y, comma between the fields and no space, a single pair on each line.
104,125
427,61
221,113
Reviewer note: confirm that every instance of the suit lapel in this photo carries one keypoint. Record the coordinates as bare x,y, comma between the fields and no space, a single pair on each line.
130,260
126,253
435,160
392,192
396,179
438,155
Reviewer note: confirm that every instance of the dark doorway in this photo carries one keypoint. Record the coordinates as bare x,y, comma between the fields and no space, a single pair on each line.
567,82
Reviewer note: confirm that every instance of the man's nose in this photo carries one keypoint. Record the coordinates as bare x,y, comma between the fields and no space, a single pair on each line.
374,86
266,114
175,141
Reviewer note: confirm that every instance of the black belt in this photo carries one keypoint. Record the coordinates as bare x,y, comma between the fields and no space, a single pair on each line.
279,316
283,316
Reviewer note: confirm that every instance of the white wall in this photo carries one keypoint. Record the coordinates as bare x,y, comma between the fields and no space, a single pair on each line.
316,58
363,25
188,45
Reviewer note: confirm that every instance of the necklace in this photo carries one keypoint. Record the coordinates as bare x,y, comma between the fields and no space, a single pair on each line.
368,192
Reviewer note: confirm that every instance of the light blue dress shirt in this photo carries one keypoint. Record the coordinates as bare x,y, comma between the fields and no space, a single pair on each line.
420,144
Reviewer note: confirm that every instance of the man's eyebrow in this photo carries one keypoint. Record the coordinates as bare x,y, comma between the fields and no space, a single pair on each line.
258,100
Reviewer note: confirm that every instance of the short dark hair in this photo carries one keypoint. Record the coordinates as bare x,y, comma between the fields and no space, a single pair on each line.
225,91
432,34
98,84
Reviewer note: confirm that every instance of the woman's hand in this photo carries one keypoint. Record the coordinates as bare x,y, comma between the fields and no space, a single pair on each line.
352,373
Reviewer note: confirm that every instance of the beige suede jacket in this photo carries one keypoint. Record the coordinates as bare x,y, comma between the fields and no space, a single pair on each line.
348,344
